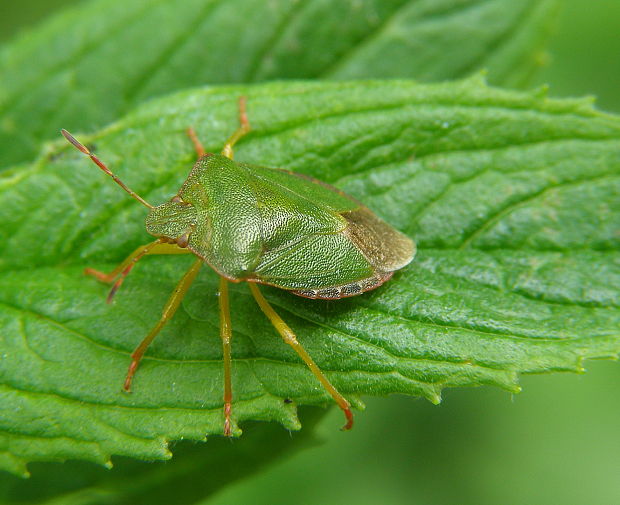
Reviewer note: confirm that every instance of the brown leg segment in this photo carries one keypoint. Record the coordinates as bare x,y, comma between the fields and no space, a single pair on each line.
244,129
226,334
156,247
200,150
290,338
169,309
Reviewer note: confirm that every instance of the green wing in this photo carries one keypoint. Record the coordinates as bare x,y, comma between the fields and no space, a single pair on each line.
277,227
297,253
313,262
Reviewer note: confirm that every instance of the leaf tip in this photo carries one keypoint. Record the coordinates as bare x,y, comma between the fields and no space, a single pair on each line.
541,92
357,403
478,78
236,431
24,474
584,105
14,464
290,419
435,397
579,368
166,453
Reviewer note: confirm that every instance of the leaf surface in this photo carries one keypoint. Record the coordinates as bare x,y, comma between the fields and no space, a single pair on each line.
91,64
198,471
512,198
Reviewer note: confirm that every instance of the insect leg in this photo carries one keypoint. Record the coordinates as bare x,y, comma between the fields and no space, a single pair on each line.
290,338
226,334
169,309
244,129
200,150
155,247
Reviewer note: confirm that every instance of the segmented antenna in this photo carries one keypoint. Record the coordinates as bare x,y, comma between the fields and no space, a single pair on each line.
101,165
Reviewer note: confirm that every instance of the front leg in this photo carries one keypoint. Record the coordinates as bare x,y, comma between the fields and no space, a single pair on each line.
122,270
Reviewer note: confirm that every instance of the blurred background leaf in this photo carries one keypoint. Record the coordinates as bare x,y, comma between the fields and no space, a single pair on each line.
585,53
95,62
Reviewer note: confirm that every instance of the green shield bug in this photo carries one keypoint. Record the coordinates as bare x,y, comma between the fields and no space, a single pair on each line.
263,226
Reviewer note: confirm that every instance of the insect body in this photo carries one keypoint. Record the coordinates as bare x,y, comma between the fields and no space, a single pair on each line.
263,226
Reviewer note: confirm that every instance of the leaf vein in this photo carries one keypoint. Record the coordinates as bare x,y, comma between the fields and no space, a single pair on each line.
512,206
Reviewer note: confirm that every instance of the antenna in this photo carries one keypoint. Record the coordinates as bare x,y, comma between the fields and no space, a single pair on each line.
102,166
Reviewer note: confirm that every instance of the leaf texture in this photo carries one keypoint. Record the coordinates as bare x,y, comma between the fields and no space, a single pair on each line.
512,198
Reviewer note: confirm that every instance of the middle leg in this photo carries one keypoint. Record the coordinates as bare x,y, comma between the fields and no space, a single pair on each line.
244,129
169,309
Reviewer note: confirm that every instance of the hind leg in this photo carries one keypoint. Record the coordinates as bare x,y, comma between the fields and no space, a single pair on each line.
289,337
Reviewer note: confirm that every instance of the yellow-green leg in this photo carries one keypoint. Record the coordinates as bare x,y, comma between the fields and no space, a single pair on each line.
227,150
169,309
244,129
225,324
155,247
226,334
289,337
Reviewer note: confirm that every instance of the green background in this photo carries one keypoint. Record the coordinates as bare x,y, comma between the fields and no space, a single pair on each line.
556,442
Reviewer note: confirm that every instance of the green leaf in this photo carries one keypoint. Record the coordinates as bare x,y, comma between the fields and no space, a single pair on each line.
91,64
198,471
511,197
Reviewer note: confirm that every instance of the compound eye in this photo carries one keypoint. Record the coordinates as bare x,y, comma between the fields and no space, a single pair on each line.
183,240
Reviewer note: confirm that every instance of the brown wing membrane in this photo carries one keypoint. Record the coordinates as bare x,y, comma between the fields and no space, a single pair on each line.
384,247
